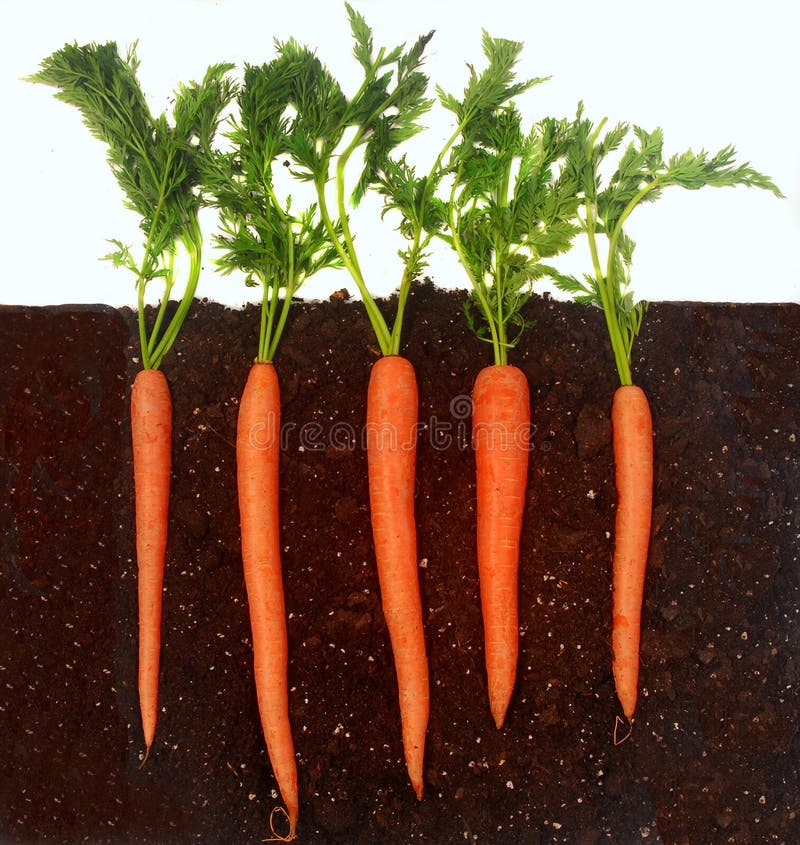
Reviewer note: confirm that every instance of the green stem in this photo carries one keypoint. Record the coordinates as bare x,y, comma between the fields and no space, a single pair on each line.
615,235
605,282
145,344
290,288
273,307
347,254
369,76
262,334
477,284
142,327
270,333
170,277
592,236
437,165
284,314
405,285
402,298
606,291
389,341
624,340
192,241
592,140
502,337
341,207
501,249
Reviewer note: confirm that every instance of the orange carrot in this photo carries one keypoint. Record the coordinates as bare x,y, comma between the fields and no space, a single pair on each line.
257,459
391,77
606,207
391,456
151,429
633,457
500,427
159,171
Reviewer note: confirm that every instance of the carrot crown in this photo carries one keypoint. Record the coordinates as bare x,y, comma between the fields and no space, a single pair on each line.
641,175
156,162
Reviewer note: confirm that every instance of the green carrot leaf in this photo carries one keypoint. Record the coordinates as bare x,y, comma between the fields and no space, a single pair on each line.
330,131
641,175
584,291
260,234
362,36
156,161
513,196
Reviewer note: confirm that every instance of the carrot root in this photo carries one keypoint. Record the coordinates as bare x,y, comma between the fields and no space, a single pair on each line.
151,434
501,431
258,457
392,409
633,457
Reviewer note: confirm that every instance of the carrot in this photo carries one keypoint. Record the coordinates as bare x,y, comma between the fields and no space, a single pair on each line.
151,431
257,459
500,426
508,209
642,174
391,457
278,246
633,457
384,112
157,165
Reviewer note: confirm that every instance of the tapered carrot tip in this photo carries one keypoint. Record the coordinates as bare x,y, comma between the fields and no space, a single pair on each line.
293,814
146,755
414,764
499,710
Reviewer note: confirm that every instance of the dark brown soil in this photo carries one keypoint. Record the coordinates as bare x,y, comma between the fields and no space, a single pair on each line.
714,753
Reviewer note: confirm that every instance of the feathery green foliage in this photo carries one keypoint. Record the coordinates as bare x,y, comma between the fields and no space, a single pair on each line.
509,206
276,247
641,175
330,128
157,163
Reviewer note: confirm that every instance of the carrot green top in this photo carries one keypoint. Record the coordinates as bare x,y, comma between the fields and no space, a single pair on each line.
277,247
156,163
330,128
509,206
640,176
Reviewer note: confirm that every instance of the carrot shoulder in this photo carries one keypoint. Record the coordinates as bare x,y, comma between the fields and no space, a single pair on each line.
258,456
392,408
633,458
500,428
151,431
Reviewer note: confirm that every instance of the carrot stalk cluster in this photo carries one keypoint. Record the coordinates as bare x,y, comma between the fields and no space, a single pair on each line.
505,197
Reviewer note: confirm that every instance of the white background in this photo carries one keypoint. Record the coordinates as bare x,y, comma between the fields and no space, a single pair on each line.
710,73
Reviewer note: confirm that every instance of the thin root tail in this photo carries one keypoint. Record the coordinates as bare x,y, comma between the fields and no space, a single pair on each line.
146,755
618,721
277,837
